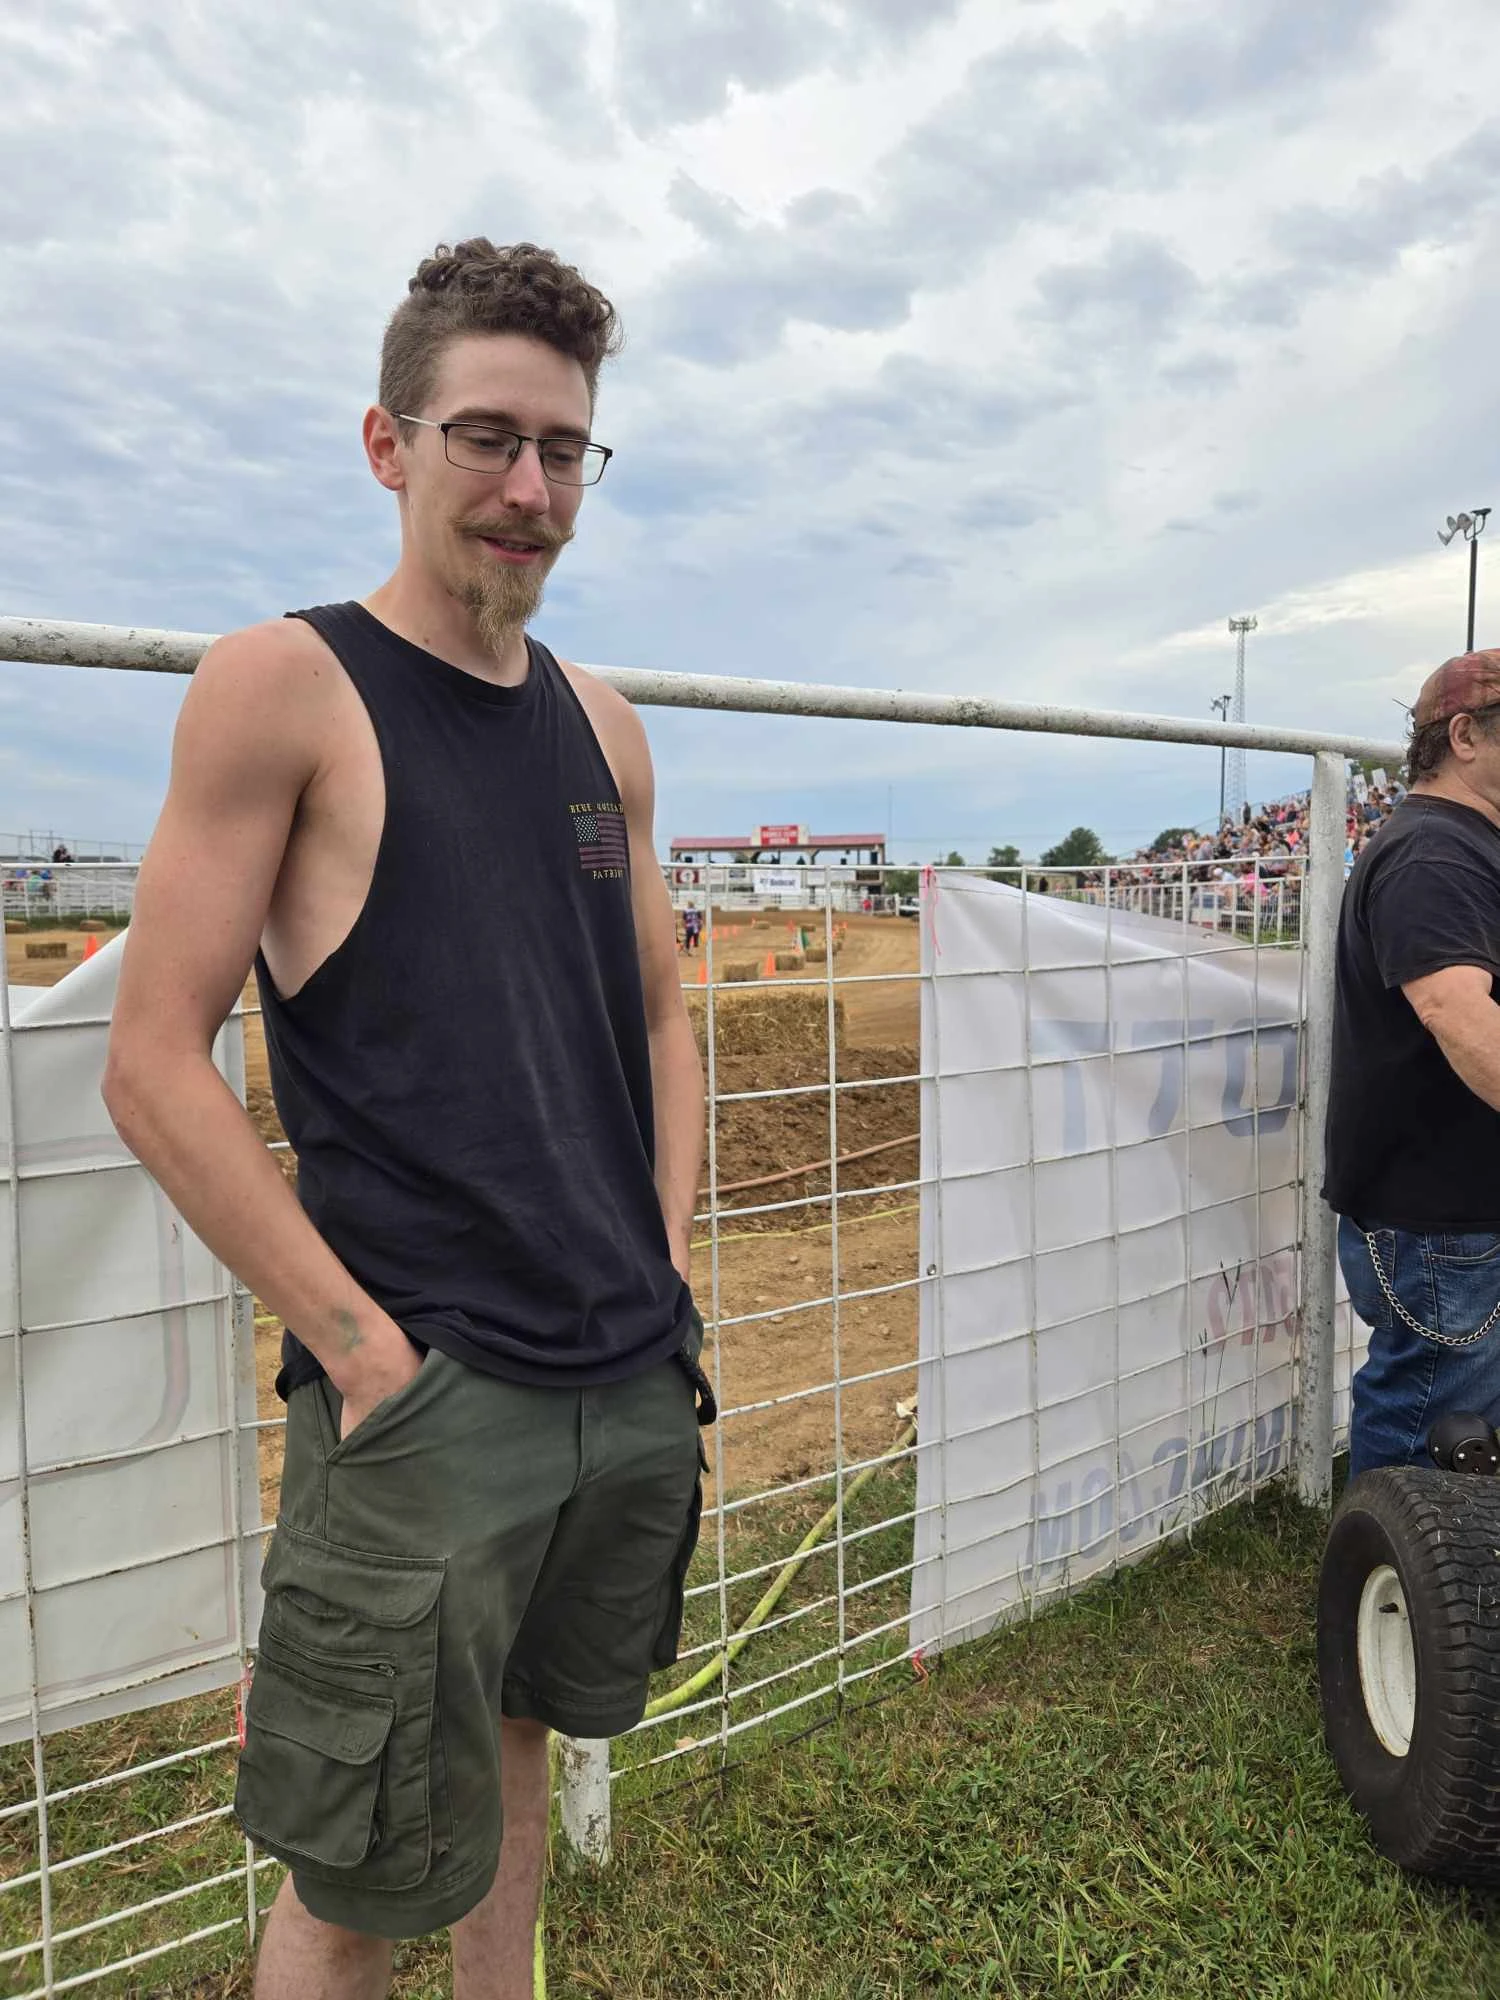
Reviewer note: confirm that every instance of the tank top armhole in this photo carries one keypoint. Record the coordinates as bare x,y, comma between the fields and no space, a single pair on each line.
553,668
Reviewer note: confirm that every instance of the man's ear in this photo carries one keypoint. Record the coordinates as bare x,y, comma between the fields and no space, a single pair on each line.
384,448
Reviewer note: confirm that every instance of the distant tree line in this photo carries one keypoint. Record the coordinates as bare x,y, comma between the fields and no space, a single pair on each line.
1082,848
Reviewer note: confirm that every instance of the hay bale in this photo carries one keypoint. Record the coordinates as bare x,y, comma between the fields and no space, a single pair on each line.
92,924
742,970
789,961
59,950
769,1023
15,926
817,954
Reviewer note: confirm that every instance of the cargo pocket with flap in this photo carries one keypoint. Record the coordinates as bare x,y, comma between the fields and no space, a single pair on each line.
343,1761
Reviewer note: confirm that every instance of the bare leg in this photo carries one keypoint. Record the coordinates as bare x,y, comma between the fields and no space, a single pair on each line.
493,1946
304,1959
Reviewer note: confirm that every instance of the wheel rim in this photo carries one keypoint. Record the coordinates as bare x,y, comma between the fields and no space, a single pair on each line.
1387,1660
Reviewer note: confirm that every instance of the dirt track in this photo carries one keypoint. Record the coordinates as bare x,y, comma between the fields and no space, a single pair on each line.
768,1264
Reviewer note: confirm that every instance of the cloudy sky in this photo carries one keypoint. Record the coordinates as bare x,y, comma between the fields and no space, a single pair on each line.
1005,347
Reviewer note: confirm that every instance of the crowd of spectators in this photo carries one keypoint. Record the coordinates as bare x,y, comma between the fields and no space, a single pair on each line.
1274,837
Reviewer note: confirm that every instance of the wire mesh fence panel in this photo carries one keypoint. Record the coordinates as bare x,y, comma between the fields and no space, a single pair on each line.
928,1183
808,1016
1141,1053
851,1526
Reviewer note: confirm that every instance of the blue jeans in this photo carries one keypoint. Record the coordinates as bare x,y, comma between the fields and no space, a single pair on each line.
1450,1284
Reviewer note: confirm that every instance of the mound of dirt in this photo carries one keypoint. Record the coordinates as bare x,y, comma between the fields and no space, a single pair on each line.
761,1136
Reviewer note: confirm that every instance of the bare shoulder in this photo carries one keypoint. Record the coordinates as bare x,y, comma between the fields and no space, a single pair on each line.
600,699
279,657
616,724
273,688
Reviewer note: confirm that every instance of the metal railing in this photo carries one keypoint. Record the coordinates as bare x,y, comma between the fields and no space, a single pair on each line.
803,1589
53,892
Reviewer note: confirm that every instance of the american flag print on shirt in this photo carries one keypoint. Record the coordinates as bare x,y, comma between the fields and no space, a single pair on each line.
603,844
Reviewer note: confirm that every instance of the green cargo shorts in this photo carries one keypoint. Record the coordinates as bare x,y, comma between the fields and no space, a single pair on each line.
474,1548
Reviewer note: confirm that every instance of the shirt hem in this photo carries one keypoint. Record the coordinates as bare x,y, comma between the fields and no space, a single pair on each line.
301,1365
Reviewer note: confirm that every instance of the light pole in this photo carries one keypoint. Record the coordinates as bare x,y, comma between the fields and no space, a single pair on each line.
1238,628
1221,705
1471,527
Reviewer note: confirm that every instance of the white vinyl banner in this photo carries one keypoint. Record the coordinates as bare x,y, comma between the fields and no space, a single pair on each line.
1110,1167
787,885
136,1499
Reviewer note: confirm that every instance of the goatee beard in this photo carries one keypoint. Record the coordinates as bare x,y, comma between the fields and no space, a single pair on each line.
503,603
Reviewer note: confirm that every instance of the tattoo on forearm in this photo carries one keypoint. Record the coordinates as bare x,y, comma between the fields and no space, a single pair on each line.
347,1326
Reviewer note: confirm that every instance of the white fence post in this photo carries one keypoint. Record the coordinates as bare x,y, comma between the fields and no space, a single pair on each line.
1324,891
583,1772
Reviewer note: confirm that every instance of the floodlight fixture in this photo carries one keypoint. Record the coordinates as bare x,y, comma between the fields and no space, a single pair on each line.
1471,527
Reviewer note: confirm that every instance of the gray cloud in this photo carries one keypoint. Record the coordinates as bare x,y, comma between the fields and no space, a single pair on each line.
1039,127
1019,140
545,49
1396,211
915,405
992,509
827,265
1133,293
1192,65
190,313
1200,374
1324,245
679,60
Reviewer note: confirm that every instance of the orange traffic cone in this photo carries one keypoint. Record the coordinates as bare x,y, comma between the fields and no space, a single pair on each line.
703,972
768,971
90,945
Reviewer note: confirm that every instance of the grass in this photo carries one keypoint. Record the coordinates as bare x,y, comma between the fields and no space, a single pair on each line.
1128,1797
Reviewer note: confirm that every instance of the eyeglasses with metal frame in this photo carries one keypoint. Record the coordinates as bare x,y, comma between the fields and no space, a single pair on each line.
474,447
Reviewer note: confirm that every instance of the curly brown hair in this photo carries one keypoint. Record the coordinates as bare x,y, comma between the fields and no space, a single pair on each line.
473,287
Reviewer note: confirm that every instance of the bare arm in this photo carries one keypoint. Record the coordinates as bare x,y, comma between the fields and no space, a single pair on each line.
676,1069
1455,1008
247,745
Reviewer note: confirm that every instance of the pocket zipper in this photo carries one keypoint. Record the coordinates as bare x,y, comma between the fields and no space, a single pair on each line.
293,1653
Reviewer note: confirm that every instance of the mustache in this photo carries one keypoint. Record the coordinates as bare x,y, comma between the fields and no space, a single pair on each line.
537,533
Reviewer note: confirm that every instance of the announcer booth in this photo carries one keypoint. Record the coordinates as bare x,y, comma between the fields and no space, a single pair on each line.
769,867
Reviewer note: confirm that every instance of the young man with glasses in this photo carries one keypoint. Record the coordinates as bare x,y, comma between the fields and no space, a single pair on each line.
433,840
1413,1139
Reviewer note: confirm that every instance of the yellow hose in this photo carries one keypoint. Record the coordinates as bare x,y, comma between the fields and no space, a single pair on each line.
675,1697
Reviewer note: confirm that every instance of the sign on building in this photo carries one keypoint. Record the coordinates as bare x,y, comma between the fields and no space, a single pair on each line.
784,884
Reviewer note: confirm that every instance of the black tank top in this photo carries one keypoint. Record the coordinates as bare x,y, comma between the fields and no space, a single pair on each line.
466,1079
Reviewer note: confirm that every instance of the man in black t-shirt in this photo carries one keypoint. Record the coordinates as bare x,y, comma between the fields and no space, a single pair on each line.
1413,1135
